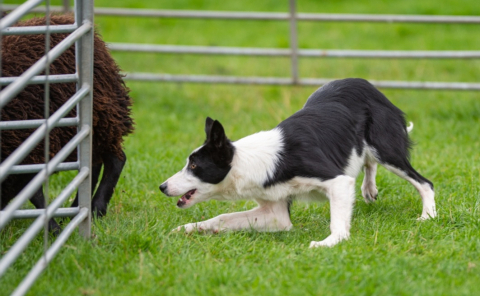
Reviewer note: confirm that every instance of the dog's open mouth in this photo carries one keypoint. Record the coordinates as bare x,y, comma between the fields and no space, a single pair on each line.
185,198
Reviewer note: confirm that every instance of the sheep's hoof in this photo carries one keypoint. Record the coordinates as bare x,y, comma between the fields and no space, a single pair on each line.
54,228
99,212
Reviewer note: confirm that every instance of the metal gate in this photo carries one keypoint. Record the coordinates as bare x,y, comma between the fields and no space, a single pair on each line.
81,34
294,53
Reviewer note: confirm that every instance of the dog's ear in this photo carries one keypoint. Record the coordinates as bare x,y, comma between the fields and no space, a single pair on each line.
208,126
217,143
217,135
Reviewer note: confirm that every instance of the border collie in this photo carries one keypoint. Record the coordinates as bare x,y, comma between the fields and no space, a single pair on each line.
313,155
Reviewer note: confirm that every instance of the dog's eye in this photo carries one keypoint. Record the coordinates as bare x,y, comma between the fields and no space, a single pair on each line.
193,166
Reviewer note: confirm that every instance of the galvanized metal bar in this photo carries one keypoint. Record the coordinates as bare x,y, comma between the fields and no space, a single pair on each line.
207,79
388,54
84,61
406,84
39,30
275,16
46,140
389,18
192,14
27,146
14,88
426,85
35,168
61,212
38,224
62,78
66,6
302,81
52,251
36,182
283,52
35,123
42,8
210,50
293,42
226,15
16,14
1,74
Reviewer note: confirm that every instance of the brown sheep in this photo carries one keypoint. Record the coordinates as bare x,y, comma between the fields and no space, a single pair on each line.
111,112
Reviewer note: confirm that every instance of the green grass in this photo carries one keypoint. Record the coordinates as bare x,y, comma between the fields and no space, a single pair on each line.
389,252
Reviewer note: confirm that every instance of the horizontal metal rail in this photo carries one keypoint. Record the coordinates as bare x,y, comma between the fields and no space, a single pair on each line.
61,212
39,222
301,81
213,50
50,254
413,84
398,54
34,123
19,154
35,168
233,15
274,16
389,18
19,11
286,52
207,79
15,87
228,15
40,79
39,30
36,182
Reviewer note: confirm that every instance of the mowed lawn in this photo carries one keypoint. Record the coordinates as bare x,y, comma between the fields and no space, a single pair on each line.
133,252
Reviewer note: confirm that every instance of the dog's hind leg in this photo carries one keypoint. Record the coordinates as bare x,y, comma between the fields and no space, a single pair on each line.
341,192
423,186
369,187
392,150
268,216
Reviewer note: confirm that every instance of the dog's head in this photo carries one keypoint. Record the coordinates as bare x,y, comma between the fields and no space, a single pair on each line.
206,167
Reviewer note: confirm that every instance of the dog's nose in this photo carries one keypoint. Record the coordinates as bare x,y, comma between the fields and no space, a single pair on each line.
163,187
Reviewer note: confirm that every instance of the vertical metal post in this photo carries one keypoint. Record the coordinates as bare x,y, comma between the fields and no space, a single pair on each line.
84,64
66,6
46,115
1,13
293,42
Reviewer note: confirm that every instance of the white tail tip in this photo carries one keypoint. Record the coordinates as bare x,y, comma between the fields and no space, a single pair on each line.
410,127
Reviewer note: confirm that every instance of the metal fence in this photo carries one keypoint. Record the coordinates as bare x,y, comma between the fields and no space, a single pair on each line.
293,52
80,34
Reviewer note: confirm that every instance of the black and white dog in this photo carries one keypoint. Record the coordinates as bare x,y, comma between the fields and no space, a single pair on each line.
314,155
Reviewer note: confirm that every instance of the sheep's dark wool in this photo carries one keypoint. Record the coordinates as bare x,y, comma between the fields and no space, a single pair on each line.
111,108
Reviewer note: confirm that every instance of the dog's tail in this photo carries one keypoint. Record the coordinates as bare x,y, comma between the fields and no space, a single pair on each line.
410,127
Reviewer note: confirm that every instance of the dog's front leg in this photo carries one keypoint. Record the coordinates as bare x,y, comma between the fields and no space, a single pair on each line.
341,192
268,216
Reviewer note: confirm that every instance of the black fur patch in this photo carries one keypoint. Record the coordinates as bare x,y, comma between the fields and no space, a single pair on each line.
212,162
337,118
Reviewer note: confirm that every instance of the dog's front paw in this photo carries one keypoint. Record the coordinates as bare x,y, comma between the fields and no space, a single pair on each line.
427,216
330,241
190,227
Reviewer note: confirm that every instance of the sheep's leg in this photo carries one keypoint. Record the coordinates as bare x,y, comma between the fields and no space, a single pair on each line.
38,200
112,168
95,173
